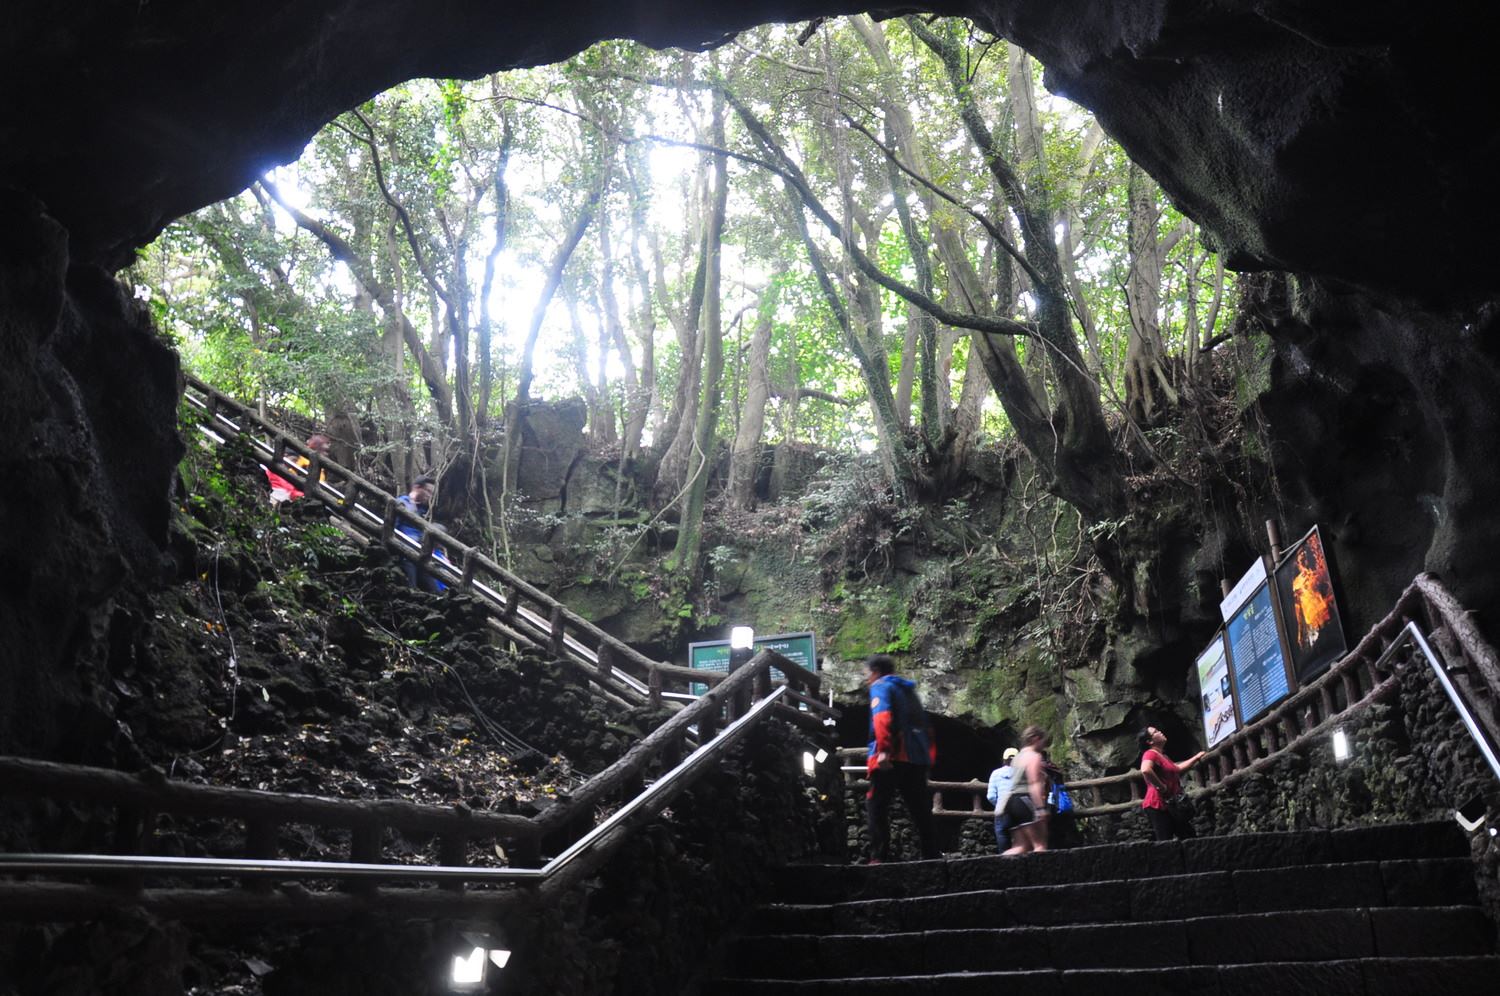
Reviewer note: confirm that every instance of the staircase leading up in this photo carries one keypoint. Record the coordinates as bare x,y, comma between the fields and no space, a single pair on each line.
1380,910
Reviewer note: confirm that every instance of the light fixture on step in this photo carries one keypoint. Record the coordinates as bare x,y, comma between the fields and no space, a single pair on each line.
811,760
1471,815
1340,745
469,970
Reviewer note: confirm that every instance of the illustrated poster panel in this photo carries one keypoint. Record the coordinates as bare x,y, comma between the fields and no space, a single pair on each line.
1256,657
1216,692
1315,632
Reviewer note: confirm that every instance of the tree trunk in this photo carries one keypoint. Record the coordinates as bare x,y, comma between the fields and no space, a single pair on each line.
744,458
1149,391
681,425
690,530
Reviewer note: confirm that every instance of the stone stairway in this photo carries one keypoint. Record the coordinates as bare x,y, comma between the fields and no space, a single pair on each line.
1380,910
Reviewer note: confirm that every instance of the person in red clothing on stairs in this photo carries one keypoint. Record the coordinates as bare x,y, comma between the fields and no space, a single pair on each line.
901,751
1165,802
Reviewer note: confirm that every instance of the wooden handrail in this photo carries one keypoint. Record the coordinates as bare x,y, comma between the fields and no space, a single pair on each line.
153,791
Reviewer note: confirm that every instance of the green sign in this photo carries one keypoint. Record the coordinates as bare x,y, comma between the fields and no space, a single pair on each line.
713,655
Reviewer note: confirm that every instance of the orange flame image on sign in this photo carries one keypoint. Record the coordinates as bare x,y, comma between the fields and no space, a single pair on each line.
1312,592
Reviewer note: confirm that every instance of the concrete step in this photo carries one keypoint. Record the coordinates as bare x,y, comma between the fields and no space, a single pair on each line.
1143,860
1448,976
1360,884
1251,938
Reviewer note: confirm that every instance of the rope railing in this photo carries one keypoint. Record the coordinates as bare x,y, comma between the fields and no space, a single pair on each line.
1362,677
718,719
519,610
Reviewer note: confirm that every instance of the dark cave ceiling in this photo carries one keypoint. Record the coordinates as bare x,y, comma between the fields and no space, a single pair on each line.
1355,148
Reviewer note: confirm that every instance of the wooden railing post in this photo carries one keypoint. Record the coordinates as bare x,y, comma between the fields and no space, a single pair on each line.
471,564
556,631
527,852
606,656
313,485
453,851
260,842
365,849
762,682
653,689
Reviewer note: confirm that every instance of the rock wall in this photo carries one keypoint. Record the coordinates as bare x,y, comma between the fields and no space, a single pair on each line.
88,446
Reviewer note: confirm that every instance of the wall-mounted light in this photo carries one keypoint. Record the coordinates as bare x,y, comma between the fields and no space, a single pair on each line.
1340,745
809,763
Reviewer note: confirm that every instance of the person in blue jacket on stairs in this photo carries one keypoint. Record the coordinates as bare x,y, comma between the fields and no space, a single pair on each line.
417,501
901,751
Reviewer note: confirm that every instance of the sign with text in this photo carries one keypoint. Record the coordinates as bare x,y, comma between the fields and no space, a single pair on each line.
1216,692
1254,578
1257,658
713,655
1314,631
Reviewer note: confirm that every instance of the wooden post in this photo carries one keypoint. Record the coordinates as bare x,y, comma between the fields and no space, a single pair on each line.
512,603
1351,688
1289,726
312,486
364,849
278,455
606,655
453,851
424,557
763,682
132,835
555,623
260,842
471,564
653,688
388,524
708,725
527,852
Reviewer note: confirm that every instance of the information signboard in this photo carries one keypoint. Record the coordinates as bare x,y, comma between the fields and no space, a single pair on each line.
1304,586
1254,578
1216,692
1257,658
713,655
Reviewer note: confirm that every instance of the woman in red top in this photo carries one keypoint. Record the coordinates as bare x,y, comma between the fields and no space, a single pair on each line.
1163,783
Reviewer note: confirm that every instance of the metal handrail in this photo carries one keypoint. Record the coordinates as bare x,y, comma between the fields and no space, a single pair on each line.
660,791
1487,746
155,794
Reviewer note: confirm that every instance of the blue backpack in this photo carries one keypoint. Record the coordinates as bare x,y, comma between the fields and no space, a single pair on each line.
1059,799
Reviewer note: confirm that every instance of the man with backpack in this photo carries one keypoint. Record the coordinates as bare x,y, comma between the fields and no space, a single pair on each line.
901,751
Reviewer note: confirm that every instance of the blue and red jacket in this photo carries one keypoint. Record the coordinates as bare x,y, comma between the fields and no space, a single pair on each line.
898,724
